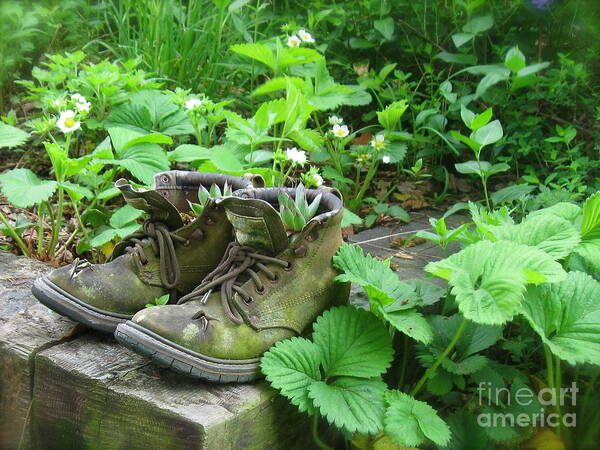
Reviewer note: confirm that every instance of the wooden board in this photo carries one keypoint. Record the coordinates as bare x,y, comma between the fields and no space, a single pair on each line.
26,327
91,393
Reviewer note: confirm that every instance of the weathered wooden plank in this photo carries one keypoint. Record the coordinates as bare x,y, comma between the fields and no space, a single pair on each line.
26,327
91,393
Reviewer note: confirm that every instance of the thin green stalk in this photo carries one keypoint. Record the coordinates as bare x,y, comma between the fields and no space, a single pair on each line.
315,433
40,240
558,396
57,221
13,234
431,370
365,184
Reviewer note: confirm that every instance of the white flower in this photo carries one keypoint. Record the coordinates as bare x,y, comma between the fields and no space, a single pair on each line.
193,103
67,122
293,41
83,106
340,131
386,159
295,155
378,142
318,179
77,97
305,36
335,120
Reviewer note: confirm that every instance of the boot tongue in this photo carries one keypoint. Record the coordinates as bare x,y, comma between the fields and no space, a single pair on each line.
157,207
256,224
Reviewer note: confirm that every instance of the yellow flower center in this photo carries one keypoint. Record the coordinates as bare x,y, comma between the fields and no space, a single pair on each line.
379,145
70,122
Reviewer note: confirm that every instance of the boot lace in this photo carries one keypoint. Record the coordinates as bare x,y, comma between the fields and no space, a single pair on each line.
162,240
238,260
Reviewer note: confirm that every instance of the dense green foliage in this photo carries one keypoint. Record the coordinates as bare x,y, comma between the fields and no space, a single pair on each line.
485,106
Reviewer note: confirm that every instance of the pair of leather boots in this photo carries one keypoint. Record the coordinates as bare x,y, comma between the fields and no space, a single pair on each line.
237,281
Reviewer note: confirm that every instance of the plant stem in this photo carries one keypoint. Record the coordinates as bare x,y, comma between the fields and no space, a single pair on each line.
558,395
365,184
13,234
315,433
429,372
40,243
57,221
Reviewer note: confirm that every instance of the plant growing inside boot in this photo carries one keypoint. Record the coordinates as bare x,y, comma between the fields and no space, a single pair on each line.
265,289
295,213
164,257
203,196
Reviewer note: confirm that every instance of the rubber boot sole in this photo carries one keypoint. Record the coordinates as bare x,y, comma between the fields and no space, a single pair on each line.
67,305
173,356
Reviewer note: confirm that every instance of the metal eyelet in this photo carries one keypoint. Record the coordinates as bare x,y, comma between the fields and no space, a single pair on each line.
165,179
275,278
312,236
300,251
209,221
186,243
260,291
248,300
290,266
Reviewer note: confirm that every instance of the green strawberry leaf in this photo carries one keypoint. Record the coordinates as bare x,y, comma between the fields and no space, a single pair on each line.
590,227
292,366
466,434
353,404
566,315
353,342
488,279
11,136
553,235
23,188
409,422
409,322
380,283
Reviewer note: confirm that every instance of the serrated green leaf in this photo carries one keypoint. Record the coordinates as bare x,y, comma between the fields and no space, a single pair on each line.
441,383
353,404
189,153
489,278
590,227
465,366
553,235
407,321
292,366
353,342
466,434
125,215
350,218
409,422
11,136
566,315
23,188
256,51
379,282
150,111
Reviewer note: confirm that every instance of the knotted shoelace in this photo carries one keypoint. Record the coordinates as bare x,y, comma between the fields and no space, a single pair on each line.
238,260
162,241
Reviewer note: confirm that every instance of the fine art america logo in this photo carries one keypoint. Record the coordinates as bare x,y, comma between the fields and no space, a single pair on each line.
550,400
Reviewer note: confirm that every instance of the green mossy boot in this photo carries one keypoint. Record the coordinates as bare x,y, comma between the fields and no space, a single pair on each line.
267,287
167,256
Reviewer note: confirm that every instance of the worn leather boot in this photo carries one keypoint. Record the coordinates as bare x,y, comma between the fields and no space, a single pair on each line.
267,287
166,256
